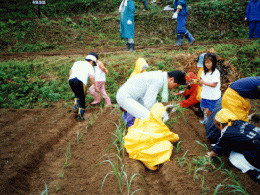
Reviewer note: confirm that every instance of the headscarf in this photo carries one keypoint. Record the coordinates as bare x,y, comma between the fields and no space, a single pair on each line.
140,65
225,116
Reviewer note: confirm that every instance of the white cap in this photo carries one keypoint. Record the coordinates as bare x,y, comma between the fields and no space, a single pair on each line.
91,57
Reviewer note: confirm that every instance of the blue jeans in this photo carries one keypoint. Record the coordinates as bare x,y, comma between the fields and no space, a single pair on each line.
254,29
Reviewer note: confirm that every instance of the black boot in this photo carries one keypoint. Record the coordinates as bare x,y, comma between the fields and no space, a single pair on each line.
128,46
132,45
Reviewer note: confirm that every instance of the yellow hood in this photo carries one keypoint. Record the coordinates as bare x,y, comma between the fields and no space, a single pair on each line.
140,62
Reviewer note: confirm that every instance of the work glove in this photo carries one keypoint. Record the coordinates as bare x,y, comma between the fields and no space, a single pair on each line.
129,22
172,108
165,117
175,15
245,19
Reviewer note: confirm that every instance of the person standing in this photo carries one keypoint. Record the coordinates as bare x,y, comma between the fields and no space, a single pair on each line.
180,13
78,79
210,80
138,95
253,17
100,78
127,14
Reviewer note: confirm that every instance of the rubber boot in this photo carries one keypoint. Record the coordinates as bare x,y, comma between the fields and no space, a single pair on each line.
179,40
189,36
127,46
108,102
81,116
205,118
132,46
76,105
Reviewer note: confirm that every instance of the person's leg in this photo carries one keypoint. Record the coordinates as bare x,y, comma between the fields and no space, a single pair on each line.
131,44
78,88
257,29
204,106
189,36
92,91
103,92
181,22
239,161
131,106
145,4
251,29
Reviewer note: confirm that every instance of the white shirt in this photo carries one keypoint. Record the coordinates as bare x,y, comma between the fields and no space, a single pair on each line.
144,87
211,93
99,74
82,70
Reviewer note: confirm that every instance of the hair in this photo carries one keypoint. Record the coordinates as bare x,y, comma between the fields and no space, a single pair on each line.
94,54
217,124
212,57
179,77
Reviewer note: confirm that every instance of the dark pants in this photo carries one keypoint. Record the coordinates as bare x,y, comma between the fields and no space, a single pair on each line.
145,4
254,29
78,88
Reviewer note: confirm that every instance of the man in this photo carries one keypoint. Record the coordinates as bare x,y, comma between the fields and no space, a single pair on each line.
78,79
139,93
181,12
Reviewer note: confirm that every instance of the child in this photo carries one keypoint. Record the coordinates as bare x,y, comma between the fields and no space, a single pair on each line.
100,78
240,140
78,79
253,17
210,80
191,95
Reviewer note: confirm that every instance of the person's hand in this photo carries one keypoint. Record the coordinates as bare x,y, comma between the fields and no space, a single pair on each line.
165,117
175,15
179,93
210,154
245,19
129,22
191,82
201,82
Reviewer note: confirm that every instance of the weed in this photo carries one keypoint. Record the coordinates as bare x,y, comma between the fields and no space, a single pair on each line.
205,147
119,138
204,189
80,136
120,174
183,159
68,156
46,190
177,147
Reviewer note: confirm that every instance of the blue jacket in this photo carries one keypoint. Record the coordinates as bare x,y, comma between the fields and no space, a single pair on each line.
127,30
241,137
184,10
253,10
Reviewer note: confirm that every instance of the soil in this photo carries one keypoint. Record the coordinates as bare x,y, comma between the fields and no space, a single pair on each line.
34,144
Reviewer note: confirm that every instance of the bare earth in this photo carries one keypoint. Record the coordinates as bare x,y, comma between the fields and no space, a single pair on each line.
34,144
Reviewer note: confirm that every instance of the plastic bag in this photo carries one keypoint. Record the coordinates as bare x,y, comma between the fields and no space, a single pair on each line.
149,140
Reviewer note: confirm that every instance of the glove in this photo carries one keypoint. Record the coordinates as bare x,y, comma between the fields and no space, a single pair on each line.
165,117
175,15
129,22
171,108
245,19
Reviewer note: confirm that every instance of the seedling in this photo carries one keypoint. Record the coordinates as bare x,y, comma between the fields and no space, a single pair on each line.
46,190
183,159
80,136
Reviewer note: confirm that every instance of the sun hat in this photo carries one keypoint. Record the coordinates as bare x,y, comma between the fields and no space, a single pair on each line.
91,57
225,116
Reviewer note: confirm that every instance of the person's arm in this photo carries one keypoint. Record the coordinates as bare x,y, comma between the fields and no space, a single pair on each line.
70,72
92,78
102,66
202,82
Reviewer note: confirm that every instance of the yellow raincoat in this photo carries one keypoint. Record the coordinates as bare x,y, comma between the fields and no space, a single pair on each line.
240,106
140,62
198,97
149,140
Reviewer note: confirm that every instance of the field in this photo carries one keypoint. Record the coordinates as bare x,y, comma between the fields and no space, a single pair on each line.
44,150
